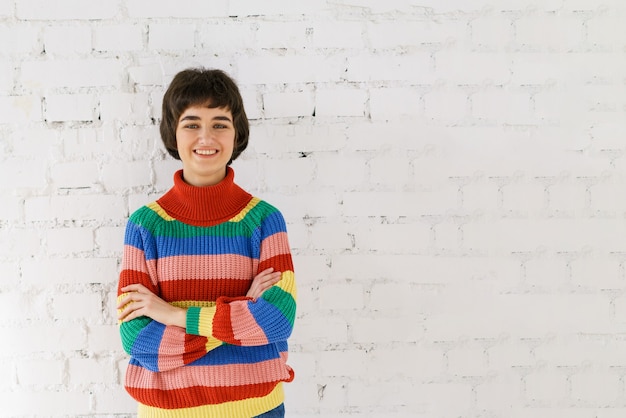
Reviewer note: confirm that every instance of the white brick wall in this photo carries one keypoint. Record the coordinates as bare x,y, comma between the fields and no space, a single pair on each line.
451,172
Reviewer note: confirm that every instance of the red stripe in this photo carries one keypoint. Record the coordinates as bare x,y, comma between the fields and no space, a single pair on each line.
195,348
222,329
198,395
280,262
203,289
133,277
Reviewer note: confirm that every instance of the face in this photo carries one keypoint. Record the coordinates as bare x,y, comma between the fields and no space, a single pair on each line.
205,138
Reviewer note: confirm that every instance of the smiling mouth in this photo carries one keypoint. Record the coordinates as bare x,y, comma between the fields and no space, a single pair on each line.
205,151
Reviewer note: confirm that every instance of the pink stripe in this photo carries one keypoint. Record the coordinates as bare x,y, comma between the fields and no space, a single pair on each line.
245,327
172,348
207,267
135,259
212,376
274,245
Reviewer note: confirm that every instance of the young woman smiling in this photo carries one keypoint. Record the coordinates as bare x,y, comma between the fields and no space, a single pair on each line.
206,295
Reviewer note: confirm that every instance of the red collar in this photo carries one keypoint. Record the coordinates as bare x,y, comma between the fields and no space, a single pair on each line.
204,206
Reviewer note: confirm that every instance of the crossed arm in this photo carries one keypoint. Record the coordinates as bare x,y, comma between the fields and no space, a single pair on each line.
140,301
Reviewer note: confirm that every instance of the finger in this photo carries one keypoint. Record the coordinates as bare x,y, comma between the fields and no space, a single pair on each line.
265,272
136,287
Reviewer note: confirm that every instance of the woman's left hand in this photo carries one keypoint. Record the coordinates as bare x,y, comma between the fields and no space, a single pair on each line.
142,302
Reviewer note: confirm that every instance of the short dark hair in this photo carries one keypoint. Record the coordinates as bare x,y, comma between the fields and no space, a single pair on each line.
202,87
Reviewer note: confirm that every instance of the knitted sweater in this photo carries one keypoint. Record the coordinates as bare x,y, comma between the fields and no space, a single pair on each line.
200,248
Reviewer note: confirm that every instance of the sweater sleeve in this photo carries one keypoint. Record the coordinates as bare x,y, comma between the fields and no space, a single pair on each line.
152,344
244,321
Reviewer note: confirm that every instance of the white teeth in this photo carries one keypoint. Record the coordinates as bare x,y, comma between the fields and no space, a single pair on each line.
206,151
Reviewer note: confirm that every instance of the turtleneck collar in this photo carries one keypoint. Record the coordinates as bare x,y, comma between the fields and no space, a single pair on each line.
204,206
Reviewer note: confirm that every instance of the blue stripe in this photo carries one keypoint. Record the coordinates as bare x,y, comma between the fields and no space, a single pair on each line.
233,354
274,324
202,245
272,224
146,347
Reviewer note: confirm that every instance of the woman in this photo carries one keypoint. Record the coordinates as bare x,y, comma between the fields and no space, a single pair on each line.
206,296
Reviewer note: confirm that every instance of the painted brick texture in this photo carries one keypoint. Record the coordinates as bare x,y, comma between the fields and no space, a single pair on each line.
451,173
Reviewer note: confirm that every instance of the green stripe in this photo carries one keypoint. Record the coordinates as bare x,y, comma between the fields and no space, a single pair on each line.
152,222
193,320
130,330
283,301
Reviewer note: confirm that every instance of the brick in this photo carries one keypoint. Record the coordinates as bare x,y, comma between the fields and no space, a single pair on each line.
340,102
446,105
193,9
289,172
604,31
507,355
342,363
64,10
580,351
60,338
70,107
20,109
18,242
546,386
109,240
118,37
547,68
243,8
597,387
600,273
40,372
125,107
19,306
481,196
568,197
71,73
524,197
170,36
127,174
547,32
77,305
75,207
86,371
11,208
403,33
288,104
394,238
467,361
546,273
282,35
491,31
71,271
526,235
341,297
69,240
422,363
332,236
501,393
64,175
324,34
416,68
294,69
321,330
390,172
427,202
19,39
395,104
384,330
233,35
104,338
504,106
115,400
6,77
604,198
56,40
353,171
484,67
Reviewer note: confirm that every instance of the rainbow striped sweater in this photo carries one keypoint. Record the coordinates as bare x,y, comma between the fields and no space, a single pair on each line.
200,248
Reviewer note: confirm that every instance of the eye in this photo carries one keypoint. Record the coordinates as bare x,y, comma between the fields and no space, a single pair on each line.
220,126
191,126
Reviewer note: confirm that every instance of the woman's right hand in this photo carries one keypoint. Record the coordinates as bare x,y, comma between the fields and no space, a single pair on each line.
263,281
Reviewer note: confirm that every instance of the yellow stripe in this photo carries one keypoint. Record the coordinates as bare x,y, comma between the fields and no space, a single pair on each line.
236,409
195,303
288,283
251,204
160,211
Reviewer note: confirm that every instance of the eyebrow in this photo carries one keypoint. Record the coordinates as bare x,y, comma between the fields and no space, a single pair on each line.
194,117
